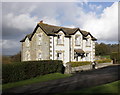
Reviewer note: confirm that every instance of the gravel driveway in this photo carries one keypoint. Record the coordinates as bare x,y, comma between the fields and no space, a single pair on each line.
77,81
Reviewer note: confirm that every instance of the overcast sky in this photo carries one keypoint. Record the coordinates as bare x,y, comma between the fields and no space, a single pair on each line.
19,19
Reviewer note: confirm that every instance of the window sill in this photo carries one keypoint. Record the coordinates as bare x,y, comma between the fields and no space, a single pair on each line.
61,44
77,45
88,46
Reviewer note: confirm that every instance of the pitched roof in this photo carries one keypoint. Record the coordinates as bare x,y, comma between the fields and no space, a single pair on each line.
53,30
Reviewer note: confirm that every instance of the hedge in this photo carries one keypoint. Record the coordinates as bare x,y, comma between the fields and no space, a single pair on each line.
103,61
25,70
80,63
115,56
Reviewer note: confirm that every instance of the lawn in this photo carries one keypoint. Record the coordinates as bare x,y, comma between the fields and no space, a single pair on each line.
106,88
35,80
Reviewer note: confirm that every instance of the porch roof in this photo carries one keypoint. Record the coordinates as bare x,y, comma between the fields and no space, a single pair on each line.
79,51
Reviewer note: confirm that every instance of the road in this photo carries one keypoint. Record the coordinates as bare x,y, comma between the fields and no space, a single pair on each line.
78,81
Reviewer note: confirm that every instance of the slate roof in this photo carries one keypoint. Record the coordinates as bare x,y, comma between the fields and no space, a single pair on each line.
53,30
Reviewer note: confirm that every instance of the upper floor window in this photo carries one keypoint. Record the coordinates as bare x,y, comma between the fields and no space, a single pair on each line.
59,39
77,40
39,39
88,42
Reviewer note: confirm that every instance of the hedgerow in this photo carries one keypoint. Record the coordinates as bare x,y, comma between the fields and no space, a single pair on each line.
29,69
80,63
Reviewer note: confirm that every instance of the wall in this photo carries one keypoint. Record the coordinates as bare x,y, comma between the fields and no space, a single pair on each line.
34,48
64,48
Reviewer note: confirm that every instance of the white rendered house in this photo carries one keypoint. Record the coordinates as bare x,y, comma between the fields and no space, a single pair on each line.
49,42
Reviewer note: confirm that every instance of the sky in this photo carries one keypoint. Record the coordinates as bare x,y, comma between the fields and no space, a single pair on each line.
20,18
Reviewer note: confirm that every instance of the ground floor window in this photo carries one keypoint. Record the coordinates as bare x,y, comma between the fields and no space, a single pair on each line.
27,56
59,55
39,56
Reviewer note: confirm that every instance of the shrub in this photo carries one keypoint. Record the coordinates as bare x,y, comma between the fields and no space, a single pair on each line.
115,56
80,63
103,60
25,70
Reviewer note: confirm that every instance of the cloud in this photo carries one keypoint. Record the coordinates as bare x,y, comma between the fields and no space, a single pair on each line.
51,21
95,7
20,19
10,47
106,26
21,22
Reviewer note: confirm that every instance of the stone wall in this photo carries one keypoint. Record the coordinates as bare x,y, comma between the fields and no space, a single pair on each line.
69,69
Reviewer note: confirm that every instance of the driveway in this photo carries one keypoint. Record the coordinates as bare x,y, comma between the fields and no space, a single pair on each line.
77,81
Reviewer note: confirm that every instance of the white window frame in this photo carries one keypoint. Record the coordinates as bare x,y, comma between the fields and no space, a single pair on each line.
77,40
88,42
60,39
39,39
39,56
27,56
59,56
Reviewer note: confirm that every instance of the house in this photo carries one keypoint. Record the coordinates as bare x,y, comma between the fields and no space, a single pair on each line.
49,42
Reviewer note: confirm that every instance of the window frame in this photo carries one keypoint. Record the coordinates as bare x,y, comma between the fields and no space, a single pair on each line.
60,39
77,40
39,37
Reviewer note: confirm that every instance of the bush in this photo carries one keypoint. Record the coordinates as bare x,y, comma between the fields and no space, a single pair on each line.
115,56
25,70
80,63
103,60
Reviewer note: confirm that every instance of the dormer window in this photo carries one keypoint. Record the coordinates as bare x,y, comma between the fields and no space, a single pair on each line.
59,39
77,40
88,42
39,39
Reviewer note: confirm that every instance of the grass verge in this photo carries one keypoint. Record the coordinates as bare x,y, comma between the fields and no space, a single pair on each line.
35,80
106,88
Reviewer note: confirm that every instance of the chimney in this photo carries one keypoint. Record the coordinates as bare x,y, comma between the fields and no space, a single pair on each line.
41,21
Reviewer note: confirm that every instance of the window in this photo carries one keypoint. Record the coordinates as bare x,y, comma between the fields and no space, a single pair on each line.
59,56
27,56
39,56
59,39
39,39
77,40
88,42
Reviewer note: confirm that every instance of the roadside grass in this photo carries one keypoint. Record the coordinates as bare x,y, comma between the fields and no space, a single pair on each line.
39,79
112,88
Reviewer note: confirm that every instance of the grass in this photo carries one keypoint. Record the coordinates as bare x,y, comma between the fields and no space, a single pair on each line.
106,88
35,80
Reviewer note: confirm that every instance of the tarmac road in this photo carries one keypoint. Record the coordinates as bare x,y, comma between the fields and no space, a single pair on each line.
78,81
